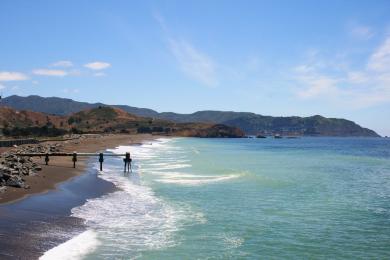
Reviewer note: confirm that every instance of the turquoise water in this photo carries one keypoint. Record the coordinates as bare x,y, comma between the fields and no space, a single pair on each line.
310,198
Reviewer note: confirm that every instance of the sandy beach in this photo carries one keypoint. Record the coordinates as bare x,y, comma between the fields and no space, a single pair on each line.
61,169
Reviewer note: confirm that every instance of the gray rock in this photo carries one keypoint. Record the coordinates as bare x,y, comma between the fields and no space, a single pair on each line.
3,189
13,167
15,181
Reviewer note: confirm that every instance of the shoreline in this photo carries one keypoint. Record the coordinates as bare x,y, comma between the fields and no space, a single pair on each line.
60,169
34,223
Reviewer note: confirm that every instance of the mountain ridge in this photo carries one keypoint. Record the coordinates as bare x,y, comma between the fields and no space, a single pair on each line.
249,122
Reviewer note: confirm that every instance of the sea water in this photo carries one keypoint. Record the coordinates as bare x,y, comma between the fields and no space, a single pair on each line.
188,198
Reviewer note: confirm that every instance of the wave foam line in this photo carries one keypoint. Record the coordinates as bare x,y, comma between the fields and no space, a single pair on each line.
198,180
75,248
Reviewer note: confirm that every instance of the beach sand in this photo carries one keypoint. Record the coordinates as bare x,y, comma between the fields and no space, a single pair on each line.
61,169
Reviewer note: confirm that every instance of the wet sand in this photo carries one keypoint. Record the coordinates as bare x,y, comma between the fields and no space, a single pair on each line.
61,169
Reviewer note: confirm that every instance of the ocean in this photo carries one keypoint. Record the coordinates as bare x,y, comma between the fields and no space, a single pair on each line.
190,198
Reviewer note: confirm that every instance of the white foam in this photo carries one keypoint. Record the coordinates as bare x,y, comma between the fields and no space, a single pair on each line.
168,166
75,248
178,175
195,179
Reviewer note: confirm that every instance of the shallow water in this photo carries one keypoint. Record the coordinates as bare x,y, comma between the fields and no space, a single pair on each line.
193,198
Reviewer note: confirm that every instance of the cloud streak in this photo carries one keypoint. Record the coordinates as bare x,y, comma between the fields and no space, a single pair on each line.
50,72
362,32
12,76
380,59
97,65
194,63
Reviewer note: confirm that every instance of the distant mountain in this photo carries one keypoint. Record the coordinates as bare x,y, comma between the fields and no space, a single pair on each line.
250,123
63,106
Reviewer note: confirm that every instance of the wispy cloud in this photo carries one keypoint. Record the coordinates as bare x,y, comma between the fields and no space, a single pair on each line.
357,77
12,76
194,63
361,32
161,21
62,63
380,59
357,88
50,72
316,84
97,65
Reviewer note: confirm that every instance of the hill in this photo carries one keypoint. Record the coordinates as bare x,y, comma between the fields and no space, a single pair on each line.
28,123
62,106
250,123
102,120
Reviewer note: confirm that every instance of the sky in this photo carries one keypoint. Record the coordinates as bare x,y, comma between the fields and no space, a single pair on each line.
278,58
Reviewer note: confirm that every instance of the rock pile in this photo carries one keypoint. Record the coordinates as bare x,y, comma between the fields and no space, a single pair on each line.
49,148
14,167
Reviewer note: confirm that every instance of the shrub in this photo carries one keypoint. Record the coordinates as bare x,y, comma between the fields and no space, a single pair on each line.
158,129
34,131
144,130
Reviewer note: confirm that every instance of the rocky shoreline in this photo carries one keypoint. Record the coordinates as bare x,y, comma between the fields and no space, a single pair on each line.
13,167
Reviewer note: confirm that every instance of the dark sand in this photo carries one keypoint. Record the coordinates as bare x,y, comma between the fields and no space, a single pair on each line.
32,225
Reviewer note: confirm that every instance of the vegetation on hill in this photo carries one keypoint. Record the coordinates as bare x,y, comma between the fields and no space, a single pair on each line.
250,123
102,120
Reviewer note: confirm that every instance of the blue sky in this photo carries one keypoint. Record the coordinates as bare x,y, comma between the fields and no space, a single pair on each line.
269,57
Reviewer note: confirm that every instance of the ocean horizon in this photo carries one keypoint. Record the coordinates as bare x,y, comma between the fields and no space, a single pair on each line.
191,198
